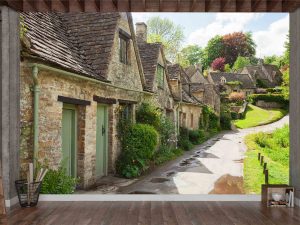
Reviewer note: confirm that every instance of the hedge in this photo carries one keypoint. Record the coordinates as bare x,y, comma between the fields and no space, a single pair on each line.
279,98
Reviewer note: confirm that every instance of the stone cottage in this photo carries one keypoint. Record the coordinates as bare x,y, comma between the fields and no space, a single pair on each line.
157,80
264,75
79,74
189,107
202,89
232,82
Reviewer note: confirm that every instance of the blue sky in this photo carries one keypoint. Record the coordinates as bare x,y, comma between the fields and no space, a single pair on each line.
269,30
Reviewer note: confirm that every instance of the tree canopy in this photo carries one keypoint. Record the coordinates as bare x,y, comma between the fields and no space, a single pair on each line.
218,64
166,32
240,63
229,46
189,55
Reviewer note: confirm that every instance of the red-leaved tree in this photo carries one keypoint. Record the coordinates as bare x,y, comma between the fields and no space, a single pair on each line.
218,64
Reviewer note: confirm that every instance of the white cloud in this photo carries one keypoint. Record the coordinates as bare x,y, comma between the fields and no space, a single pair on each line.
224,23
271,41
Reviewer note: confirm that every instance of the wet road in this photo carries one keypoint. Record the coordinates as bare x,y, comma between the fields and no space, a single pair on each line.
215,167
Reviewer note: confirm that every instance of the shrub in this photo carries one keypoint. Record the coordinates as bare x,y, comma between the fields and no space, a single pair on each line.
274,90
138,146
166,153
237,97
185,143
148,114
58,182
225,122
209,119
213,121
194,137
260,84
183,139
166,130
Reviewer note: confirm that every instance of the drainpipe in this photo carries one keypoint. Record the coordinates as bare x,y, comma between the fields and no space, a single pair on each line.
36,94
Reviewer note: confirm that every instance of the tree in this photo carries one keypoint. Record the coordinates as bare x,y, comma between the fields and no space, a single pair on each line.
213,50
166,32
274,60
189,55
238,44
218,64
286,55
286,84
240,63
227,68
229,46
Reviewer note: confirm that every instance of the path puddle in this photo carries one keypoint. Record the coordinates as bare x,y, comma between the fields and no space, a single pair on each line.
239,161
190,162
170,173
228,184
208,155
159,180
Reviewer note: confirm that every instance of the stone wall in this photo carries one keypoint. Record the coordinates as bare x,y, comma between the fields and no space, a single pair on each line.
50,116
211,97
268,105
189,116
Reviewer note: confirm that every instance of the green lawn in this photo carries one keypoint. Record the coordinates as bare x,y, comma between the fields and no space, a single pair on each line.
275,149
256,116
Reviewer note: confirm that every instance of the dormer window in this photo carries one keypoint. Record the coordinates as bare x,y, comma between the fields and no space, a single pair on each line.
223,80
124,41
160,76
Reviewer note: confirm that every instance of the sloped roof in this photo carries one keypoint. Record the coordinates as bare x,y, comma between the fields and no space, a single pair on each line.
189,98
193,71
149,53
79,42
194,87
174,71
245,79
265,72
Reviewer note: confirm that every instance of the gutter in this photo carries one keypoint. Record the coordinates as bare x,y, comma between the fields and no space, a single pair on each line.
75,75
36,95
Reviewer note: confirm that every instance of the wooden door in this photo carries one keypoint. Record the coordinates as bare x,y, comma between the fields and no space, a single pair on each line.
101,141
69,139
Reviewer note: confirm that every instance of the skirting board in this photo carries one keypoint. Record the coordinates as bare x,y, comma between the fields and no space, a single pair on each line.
149,197
136,197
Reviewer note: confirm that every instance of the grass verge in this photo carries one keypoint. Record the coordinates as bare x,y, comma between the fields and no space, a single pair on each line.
275,149
256,116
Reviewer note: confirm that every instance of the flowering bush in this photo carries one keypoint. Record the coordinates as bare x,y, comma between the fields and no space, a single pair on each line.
237,97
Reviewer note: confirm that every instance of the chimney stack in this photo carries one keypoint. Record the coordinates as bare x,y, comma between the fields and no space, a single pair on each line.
141,32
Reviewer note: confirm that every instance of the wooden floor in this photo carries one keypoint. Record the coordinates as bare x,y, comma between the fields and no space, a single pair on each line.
154,213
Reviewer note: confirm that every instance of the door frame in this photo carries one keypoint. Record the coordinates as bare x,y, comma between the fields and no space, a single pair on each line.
74,108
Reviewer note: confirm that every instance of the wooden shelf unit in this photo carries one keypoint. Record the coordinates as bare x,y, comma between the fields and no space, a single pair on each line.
268,189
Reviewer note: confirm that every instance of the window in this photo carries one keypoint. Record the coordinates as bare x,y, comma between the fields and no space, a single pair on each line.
160,73
192,120
126,112
223,80
123,44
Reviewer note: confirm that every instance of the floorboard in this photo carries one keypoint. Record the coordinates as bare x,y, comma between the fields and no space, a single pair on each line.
152,213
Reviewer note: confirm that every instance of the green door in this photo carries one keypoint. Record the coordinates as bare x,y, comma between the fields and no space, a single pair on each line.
101,141
69,139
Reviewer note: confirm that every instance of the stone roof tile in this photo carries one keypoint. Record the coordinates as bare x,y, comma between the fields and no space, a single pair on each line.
80,42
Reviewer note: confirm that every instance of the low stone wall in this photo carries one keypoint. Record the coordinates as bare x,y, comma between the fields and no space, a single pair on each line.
268,105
